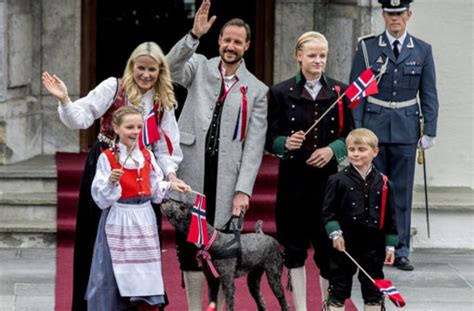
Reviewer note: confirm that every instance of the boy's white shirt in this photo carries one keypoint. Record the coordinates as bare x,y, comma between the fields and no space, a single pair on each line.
82,113
105,193
364,176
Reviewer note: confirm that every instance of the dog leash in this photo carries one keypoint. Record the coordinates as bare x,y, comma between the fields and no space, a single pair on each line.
231,222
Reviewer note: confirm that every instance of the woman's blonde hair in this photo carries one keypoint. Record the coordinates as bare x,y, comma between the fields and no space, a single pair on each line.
163,86
307,37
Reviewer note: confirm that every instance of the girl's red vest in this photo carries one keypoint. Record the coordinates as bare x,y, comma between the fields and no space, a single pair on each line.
135,183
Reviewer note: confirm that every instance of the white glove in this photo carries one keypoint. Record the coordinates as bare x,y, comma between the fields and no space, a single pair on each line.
427,141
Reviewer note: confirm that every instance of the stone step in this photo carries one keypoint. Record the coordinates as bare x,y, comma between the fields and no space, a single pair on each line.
28,219
29,227
451,215
34,175
28,203
24,239
26,207
22,185
455,199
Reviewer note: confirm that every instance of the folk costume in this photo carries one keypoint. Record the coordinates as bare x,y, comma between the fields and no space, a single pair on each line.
408,84
222,130
126,265
100,103
294,106
364,209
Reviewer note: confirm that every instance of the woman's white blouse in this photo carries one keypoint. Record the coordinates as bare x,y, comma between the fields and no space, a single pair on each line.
82,113
105,193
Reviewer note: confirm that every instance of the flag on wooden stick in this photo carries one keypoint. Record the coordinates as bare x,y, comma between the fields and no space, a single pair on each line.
198,227
384,285
363,86
149,133
387,288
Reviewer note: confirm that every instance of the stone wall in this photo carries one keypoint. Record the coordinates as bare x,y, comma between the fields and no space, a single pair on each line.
20,111
448,27
61,55
36,36
292,18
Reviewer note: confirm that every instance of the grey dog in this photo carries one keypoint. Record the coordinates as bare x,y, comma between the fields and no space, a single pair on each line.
258,253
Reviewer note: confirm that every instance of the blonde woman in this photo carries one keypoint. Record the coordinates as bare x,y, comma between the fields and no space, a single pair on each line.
146,84
306,160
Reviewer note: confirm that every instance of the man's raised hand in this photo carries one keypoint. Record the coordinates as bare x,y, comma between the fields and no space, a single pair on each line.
202,23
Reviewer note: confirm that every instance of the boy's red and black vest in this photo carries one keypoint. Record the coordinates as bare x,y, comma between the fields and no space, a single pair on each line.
135,183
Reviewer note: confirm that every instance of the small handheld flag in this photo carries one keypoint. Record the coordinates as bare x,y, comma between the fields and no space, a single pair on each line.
387,288
384,285
149,133
363,86
198,227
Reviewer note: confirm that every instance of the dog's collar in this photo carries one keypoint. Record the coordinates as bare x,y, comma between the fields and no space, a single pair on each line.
203,255
211,240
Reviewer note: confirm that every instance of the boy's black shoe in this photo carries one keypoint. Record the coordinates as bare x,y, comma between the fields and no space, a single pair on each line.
403,263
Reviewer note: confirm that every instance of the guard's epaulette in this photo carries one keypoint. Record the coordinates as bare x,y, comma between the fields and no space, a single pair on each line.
366,37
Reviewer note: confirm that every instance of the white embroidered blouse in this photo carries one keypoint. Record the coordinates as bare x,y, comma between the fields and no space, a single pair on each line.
82,113
105,193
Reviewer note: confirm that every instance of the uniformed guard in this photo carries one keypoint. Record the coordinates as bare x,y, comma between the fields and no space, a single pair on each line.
394,113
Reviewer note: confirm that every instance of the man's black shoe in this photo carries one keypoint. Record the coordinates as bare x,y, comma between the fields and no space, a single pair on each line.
403,263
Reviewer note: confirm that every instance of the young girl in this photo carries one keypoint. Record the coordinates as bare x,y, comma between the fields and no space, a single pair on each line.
126,265
146,83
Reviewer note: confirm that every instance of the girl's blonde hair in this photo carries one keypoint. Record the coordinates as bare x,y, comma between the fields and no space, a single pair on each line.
163,86
307,37
117,116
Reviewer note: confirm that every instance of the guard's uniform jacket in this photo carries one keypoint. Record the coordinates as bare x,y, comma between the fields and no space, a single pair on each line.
393,114
355,206
300,186
409,75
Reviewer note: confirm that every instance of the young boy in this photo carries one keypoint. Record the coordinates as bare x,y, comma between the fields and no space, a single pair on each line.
359,216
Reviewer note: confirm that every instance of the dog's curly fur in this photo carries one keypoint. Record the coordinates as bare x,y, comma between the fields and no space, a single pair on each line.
259,253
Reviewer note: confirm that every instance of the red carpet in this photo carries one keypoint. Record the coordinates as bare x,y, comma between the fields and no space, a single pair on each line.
70,165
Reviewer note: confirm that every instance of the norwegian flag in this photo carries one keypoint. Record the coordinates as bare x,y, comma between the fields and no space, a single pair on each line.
198,227
387,288
363,86
149,133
